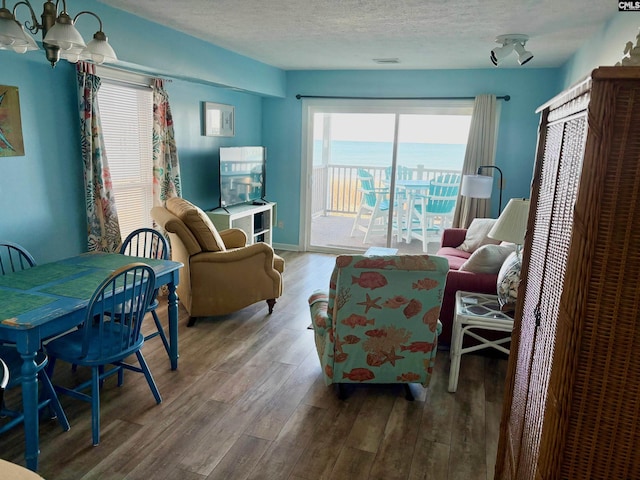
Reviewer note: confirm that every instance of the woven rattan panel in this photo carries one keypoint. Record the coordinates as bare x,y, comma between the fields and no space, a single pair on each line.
593,429
557,247
532,274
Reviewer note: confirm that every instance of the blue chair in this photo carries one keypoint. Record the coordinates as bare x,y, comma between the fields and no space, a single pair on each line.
373,209
149,243
14,258
12,377
108,339
432,213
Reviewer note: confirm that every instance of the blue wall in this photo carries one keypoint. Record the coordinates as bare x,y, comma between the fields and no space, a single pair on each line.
282,131
41,193
605,48
198,154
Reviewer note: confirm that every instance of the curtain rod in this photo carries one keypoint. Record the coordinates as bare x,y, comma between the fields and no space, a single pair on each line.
506,98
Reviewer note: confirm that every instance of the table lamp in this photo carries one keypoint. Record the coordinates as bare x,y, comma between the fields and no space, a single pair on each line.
511,227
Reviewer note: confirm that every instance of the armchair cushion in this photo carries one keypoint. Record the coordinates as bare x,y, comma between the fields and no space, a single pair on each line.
198,222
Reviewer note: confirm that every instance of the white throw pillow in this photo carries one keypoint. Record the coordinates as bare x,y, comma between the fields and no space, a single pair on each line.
476,235
488,258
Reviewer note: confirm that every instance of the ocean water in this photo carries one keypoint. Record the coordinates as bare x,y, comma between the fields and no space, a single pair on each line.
431,155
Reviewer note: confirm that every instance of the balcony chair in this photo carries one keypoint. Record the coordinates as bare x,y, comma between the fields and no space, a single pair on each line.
221,274
373,210
431,214
379,321
149,243
105,339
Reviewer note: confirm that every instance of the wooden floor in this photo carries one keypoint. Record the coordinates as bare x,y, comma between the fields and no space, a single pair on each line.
248,402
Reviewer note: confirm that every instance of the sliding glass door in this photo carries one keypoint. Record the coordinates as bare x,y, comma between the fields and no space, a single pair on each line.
370,167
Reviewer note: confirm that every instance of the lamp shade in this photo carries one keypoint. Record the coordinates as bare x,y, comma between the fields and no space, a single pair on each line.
64,34
476,186
99,50
31,43
512,222
11,35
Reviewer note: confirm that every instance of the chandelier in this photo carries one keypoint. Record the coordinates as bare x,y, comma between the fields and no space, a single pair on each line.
60,38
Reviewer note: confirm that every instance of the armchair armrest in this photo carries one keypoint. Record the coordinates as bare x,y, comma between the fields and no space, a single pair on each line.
453,237
236,254
233,237
318,303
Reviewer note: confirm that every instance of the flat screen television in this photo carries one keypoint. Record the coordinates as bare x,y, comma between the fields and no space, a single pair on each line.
242,175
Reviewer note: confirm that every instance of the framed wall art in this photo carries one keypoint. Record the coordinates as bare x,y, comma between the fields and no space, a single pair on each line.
219,120
11,144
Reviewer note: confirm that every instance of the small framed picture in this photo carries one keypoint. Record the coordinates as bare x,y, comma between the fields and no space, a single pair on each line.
219,120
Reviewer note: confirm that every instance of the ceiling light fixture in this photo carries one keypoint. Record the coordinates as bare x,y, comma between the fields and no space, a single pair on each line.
511,42
60,37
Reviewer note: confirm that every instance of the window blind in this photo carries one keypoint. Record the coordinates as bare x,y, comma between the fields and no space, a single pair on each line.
126,112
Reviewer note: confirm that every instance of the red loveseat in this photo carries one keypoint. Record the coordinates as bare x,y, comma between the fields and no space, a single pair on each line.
456,280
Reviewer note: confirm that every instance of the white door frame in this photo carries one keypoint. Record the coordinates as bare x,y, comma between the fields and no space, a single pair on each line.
311,106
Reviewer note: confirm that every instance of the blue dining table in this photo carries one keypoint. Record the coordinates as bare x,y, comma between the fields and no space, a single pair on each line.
52,298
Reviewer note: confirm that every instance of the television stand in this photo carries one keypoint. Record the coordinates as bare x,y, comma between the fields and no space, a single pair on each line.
256,221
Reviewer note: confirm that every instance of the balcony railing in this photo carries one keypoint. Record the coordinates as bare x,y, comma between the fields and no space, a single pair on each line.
335,187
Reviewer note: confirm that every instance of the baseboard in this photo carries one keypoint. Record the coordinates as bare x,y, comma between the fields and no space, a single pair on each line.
286,246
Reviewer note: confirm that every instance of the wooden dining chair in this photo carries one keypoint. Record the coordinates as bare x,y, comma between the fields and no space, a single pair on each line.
14,258
107,339
149,243
12,377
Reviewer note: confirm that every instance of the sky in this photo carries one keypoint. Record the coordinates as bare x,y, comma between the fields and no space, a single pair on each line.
366,127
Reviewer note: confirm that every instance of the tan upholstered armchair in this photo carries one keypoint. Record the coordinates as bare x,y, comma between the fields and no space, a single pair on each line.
221,274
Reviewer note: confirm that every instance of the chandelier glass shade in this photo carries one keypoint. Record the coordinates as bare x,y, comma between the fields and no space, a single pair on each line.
61,39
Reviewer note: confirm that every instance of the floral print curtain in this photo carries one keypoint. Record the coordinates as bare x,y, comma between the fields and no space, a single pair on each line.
166,166
103,230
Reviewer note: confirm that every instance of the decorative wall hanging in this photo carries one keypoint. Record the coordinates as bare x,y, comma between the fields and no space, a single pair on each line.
11,144
631,54
218,120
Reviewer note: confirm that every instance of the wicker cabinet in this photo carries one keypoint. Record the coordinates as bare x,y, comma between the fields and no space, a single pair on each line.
572,402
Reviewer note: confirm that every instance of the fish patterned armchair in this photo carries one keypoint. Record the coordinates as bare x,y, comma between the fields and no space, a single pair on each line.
379,321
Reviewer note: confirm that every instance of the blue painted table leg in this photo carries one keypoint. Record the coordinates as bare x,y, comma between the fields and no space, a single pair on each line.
173,326
30,405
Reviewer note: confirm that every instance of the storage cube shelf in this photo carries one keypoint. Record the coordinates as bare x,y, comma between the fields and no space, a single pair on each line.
255,220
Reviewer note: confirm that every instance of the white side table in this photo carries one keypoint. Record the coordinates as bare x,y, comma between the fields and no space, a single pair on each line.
476,311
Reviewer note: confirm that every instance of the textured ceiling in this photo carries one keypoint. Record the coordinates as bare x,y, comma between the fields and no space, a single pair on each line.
349,34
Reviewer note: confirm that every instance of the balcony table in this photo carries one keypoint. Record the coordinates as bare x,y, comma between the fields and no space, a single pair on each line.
410,189
50,299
